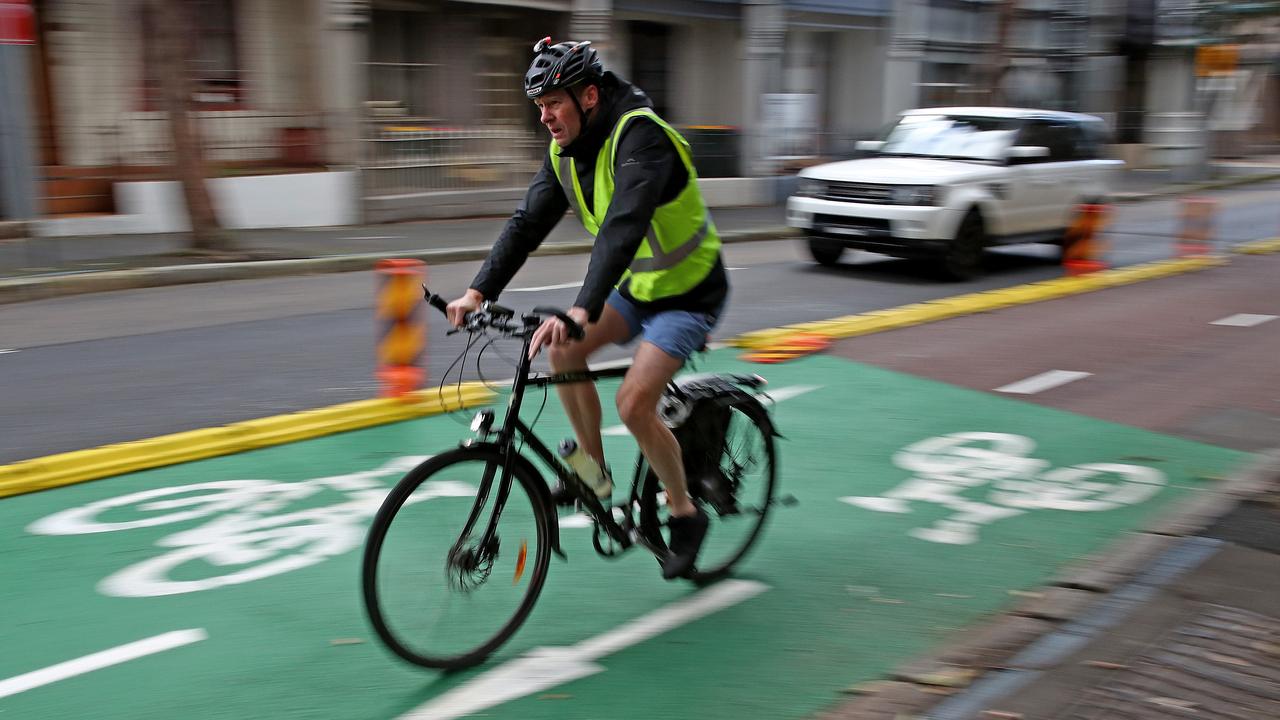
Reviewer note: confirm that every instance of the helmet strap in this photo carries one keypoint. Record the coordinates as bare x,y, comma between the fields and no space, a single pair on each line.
581,113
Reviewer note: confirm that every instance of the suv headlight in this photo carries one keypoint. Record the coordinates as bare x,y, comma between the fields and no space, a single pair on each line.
913,195
809,187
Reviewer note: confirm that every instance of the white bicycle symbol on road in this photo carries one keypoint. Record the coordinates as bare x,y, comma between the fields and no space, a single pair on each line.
245,535
949,465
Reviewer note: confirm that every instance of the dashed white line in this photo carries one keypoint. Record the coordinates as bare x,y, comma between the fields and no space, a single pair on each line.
1043,381
100,660
561,286
1243,320
6,352
375,237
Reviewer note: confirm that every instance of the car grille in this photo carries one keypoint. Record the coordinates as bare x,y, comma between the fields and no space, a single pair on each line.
873,226
856,192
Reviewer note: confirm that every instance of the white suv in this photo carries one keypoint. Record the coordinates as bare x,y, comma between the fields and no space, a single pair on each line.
947,182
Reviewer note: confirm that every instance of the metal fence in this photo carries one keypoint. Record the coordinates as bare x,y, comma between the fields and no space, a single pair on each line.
228,137
405,158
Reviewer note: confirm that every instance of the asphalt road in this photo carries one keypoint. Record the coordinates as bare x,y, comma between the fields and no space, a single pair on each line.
90,370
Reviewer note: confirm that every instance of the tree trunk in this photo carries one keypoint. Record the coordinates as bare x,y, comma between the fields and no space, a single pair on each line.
173,49
1000,59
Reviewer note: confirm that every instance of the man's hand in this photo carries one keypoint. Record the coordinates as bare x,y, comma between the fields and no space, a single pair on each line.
458,309
553,331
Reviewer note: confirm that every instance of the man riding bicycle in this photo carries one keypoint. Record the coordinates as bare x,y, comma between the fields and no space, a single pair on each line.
655,269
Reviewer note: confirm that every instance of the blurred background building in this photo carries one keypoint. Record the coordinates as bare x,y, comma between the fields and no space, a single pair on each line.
336,111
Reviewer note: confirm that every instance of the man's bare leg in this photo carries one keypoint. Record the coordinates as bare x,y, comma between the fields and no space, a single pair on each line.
581,401
638,407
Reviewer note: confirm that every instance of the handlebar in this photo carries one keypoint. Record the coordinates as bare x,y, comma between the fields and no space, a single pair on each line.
494,316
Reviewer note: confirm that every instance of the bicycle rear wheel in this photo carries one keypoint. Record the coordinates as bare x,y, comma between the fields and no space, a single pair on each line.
440,599
736,495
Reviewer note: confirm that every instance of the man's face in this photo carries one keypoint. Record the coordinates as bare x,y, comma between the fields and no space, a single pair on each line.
560,116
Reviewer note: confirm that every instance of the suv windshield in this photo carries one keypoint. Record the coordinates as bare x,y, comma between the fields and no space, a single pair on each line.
950,136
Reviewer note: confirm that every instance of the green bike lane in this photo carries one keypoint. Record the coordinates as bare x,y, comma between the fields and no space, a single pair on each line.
921,507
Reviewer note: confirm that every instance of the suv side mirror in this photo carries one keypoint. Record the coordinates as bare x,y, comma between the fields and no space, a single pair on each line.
869,145
1023,153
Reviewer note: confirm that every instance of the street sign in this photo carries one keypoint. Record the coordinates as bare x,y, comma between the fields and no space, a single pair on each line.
17,23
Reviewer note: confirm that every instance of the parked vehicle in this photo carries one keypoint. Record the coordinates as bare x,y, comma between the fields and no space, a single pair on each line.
946,183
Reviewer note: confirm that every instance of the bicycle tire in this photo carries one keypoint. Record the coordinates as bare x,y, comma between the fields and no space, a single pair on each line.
395,502
652,515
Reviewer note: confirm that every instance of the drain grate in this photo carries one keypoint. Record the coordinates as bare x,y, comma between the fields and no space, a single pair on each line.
1224,663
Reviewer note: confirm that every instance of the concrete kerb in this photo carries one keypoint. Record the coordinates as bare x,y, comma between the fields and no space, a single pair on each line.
109,460
923,683
42,287
14,229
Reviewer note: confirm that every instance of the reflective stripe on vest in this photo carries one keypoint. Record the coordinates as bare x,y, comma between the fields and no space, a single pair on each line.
667,259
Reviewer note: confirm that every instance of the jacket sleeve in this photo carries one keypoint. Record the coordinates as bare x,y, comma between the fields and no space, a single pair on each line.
643,166
543,206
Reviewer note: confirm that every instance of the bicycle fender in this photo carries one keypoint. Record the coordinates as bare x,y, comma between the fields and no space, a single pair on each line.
540,489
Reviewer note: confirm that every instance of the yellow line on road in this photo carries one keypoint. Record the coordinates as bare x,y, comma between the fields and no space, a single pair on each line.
1259,247
972,303
83,465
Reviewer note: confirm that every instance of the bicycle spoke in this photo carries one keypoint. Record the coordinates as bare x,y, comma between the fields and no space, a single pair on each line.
442,594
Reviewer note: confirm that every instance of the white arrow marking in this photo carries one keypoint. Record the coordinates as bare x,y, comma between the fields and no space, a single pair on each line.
544,668
785,393
99,660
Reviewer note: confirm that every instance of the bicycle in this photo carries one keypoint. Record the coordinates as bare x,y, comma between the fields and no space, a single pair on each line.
727,440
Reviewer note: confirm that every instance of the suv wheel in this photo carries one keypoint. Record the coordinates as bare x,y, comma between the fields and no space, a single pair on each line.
963,259
826,252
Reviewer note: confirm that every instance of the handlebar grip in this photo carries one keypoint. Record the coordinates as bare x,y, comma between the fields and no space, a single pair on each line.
434,300
575,330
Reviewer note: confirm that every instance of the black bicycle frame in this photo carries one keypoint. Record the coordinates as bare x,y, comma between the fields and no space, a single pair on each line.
513,428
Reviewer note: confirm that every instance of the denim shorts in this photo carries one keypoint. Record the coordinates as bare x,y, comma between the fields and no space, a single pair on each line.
678,333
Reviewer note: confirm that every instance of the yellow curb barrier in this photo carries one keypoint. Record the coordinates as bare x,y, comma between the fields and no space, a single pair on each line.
973,303
109,460
1259,247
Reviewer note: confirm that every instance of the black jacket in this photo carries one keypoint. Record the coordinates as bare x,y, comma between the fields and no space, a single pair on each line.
648,173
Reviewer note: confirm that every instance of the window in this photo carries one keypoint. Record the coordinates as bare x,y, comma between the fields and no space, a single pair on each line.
213,62
1057,135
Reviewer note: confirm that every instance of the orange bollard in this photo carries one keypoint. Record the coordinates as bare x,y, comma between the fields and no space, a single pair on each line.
1196,235
402,327
1082,248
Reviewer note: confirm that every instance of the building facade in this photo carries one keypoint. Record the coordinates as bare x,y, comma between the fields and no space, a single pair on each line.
420,101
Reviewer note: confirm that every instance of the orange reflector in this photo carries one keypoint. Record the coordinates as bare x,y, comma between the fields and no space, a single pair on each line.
524,552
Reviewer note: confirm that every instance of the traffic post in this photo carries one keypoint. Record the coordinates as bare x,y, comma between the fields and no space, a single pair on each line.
1082,246
1195,237
402,327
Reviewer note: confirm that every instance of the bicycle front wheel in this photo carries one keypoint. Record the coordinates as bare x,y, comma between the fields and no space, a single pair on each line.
437,592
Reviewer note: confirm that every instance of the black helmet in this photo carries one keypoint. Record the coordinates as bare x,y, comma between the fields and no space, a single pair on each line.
560,66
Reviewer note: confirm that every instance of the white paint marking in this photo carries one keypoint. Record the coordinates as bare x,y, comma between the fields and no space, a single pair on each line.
544,668
1243,320
100,660
735,268
784,393
6,352
375,237
1042,382
561,286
